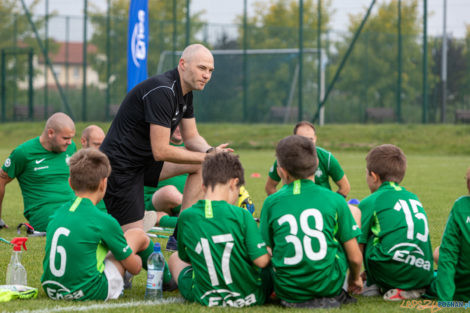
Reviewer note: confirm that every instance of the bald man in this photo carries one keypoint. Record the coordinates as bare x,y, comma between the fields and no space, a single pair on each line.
92,137
41,167
138,141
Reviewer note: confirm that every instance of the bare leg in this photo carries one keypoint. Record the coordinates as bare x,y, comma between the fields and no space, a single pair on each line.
193,188
176,265
356,213
137,224
166,198
436,255
137,241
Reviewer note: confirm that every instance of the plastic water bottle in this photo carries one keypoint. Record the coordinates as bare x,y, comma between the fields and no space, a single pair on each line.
16,273
155,267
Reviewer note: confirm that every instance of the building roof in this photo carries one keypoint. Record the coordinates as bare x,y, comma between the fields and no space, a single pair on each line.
75,53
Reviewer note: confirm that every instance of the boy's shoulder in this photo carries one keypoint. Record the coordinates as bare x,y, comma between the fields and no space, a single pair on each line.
462,205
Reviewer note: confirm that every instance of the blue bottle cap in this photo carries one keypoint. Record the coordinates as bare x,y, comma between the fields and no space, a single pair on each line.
156,247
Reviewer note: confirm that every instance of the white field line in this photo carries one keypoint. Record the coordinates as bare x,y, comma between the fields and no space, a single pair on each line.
106,305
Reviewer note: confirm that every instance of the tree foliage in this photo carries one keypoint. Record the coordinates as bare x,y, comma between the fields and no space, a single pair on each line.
370,76
160,32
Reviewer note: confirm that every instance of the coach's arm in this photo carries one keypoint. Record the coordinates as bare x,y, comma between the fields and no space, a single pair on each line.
343,186
4,179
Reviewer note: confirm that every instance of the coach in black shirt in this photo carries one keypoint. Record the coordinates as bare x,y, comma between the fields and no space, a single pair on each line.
137,143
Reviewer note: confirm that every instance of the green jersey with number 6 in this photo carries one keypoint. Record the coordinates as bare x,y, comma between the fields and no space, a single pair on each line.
220,241
305,225
43,178
79,236
398,252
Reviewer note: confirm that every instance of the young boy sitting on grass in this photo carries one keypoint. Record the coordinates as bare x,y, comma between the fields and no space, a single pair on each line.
220,249
395,233
311,232
453,256
77,265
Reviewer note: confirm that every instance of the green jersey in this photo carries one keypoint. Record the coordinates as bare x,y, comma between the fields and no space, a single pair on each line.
398,252
79,236
43,178
328,166
177,181
220,241
453,273
306,225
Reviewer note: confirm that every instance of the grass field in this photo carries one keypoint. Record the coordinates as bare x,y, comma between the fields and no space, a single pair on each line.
437,161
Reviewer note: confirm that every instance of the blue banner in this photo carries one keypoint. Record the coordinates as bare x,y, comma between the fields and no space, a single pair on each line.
137,43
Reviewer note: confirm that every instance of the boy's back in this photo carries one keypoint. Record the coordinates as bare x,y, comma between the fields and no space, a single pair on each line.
78,239
395,229
453,273
306,224
220,241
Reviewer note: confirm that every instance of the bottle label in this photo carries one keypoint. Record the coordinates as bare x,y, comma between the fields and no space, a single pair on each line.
154,279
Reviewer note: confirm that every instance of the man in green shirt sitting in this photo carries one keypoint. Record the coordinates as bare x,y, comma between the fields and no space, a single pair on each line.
41,166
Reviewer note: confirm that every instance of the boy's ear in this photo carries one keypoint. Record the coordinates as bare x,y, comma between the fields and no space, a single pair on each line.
283,173
70,183
375,176
234,182
103,184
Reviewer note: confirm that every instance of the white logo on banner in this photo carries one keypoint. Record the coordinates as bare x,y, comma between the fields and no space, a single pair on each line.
139,52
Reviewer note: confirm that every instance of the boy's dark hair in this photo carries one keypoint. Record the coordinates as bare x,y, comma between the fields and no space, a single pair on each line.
87,168
388,162
219,168
303,123
298,156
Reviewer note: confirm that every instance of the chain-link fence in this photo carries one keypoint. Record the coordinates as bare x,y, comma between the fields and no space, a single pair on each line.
263,73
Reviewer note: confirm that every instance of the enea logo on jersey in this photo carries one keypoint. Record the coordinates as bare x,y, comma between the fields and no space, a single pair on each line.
138,49
57,291
411,254
224,297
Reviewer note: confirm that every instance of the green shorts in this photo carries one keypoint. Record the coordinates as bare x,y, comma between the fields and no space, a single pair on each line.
185,283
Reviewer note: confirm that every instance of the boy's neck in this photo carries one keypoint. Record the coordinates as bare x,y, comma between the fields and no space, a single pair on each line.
94,197
218,193
290,179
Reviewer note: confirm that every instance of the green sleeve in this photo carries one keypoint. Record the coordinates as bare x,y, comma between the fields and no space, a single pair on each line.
15,164
181,244
367,213
347,227
264,226
273,172
334,169
255,244
114,239
448,257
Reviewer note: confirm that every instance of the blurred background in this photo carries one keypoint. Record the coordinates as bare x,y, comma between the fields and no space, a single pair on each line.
276,61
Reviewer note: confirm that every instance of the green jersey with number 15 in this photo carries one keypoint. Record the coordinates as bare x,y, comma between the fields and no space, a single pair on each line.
220,241
305,225
398,252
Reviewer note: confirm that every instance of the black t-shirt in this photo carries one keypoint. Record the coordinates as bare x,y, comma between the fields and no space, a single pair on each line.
157,100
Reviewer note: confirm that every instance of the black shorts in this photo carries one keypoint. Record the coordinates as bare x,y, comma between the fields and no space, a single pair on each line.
124,196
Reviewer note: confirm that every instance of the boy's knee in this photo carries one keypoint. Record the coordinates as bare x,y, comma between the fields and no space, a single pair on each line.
356,213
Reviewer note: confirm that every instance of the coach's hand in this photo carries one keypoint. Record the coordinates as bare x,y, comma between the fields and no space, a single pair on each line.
223,148
2,224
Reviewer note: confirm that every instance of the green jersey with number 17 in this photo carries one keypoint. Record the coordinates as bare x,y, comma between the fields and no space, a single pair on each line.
220,241
306,225
398,252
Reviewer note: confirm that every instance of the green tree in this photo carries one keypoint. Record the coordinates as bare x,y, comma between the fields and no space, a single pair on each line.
369,78
16,32
161,39
275,25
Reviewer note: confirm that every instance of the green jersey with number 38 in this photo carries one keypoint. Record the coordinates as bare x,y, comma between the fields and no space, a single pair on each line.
398,252
220,241
305,225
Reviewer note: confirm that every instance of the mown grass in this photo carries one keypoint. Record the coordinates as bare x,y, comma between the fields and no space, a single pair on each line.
435,173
